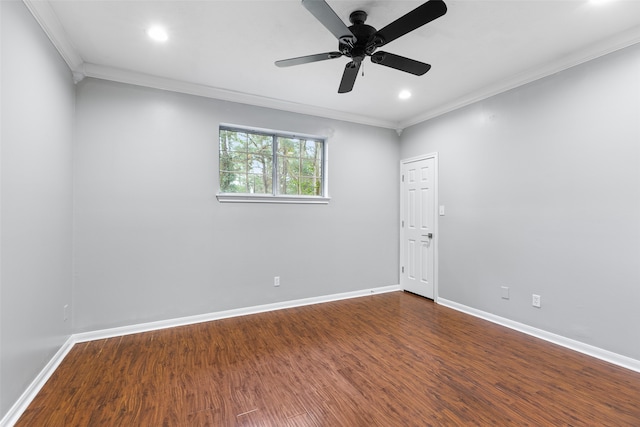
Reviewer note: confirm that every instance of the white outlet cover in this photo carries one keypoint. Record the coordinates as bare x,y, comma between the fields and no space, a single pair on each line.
536,300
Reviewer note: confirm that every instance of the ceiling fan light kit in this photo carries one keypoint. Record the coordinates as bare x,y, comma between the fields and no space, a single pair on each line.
361,40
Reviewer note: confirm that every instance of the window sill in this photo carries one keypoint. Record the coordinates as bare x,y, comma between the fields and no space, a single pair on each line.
265,198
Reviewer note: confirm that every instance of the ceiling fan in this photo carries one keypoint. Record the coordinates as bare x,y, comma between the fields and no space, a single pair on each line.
361,40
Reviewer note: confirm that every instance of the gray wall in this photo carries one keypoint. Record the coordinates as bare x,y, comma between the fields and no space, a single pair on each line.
152,242
36,215
541,186
542,193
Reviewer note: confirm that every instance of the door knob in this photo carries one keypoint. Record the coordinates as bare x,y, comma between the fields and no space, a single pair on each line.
428,235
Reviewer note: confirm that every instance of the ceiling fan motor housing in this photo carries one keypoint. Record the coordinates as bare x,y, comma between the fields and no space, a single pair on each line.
363,42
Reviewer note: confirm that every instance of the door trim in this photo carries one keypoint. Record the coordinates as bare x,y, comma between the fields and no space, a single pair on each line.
436,238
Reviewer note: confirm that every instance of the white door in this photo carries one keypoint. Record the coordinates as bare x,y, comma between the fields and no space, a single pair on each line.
417,233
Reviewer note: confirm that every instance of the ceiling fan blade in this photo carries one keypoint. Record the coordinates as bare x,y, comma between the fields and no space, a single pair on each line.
419,16
400,63
327,17
349,77
307,59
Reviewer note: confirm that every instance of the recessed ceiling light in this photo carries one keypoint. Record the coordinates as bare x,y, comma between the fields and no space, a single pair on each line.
158,34
404,94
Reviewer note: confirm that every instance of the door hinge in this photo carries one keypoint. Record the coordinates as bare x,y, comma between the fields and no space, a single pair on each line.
402,178
403,269
402,223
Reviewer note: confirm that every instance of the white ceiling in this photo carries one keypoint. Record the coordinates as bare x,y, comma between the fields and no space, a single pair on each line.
227,49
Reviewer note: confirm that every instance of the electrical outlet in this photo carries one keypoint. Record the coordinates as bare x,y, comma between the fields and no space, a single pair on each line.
505,292
65,312
536,300
276,281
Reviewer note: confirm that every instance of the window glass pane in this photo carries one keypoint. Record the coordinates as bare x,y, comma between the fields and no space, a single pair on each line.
247,160
288,184
233,162
289,147
300,166
259,164
233,183
226,163
311,149
311,186
260,144
233,141
258,184
289,166
226,182
311,168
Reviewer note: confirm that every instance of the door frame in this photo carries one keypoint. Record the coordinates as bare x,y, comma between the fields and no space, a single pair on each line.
436,215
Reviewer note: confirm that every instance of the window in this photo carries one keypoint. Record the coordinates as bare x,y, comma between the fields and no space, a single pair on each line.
263,166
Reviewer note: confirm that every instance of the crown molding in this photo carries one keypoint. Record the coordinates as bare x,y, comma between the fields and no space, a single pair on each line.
621,41
163,83
48,20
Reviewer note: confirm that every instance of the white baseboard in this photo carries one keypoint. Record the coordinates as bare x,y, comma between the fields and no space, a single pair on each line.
30,393
589,350
190,320
14,413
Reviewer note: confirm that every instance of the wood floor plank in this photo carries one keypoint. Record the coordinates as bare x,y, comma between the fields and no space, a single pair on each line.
383,360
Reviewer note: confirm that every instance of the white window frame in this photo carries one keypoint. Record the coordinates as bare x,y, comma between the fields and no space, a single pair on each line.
276,198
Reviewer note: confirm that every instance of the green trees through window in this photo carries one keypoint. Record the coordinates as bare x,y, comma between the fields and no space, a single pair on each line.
247,162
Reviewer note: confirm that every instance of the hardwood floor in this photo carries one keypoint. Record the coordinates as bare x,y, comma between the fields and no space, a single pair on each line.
385,360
